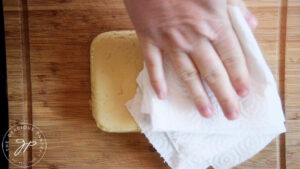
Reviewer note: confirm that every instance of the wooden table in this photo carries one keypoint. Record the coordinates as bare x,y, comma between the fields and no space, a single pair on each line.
47,45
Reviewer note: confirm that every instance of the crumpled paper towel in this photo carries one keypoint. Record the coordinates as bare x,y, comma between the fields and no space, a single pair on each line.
186,140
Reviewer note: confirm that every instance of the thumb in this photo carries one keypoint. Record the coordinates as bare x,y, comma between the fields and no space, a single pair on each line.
250,18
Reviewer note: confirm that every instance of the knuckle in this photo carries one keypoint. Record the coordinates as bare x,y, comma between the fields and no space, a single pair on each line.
189,75
180,45
203,28
178,41
231,60
225,44
221,30
213,76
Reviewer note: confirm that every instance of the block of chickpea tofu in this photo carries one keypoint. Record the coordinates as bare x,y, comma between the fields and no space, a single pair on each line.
115,63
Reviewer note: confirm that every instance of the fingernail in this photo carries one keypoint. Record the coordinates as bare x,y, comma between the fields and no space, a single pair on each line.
252,21
232,115
162,95
243,91
206,111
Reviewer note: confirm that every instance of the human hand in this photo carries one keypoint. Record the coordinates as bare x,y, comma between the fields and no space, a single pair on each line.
200,42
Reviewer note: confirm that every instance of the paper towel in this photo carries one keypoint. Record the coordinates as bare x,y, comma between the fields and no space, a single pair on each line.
186,140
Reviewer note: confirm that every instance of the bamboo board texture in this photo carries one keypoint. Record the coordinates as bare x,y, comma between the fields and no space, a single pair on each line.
47,45
292,84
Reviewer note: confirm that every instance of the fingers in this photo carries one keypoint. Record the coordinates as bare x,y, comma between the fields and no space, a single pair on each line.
250,18
212,69
230,52
154,63
190,76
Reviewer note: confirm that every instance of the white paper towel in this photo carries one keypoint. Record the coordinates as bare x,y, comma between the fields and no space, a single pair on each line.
186,140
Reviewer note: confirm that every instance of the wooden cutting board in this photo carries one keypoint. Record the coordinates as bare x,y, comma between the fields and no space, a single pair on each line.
47,46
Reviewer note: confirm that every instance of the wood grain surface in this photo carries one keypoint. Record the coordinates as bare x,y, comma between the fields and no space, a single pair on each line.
49,84
18,72
292,84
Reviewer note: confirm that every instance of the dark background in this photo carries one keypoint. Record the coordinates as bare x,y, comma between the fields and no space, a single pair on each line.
3,88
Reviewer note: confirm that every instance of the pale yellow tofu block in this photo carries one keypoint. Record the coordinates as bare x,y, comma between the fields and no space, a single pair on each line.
116,60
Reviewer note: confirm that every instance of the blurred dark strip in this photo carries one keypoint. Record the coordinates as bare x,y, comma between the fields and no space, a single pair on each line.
3,88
